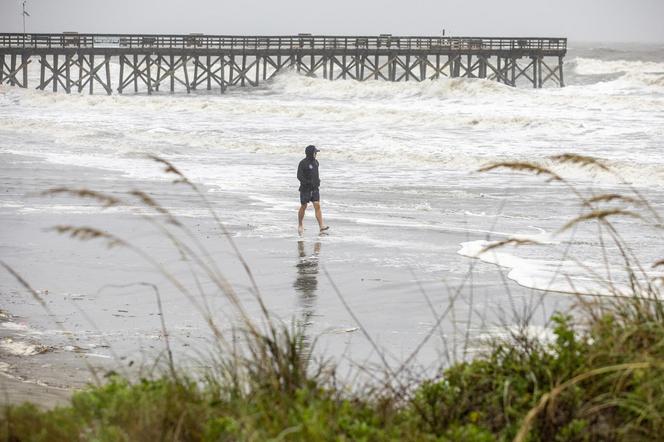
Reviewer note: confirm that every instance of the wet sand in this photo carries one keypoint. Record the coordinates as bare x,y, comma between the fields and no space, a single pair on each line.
16,391
103,310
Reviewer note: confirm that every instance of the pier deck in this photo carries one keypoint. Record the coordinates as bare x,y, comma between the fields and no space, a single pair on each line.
145,63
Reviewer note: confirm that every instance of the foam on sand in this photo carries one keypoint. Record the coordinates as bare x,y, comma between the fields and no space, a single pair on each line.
21,348
565,276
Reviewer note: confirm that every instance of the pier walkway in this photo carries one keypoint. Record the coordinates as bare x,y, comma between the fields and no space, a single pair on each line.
123,63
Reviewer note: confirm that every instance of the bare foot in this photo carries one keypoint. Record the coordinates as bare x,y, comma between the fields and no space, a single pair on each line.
300,229
324,228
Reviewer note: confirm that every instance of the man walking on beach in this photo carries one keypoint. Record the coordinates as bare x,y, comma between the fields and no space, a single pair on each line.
307,174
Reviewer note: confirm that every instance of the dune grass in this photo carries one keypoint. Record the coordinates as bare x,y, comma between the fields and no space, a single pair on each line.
601,378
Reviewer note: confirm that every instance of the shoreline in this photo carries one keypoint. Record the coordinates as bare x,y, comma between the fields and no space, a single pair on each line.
15,391
106,283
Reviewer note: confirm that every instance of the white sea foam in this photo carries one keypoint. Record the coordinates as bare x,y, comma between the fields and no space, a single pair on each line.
620,77
21,348
356,122
293,84
23,329
593,66
14,326
555,275
508,333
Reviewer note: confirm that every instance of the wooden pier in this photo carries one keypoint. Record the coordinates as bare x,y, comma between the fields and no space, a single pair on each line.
76,62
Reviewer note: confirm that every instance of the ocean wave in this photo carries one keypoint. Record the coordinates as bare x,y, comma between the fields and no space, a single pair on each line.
625,171
448,124
593,66
617,75
376,149
294,84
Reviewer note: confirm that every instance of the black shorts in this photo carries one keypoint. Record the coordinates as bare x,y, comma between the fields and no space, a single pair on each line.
308,196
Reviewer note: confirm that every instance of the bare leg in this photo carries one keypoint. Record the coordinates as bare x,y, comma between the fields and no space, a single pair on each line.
319,216
300,217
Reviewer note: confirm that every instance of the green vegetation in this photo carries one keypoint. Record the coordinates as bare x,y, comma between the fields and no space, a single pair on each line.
600,379
603,383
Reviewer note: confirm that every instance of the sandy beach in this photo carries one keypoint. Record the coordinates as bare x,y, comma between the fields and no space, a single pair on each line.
106,317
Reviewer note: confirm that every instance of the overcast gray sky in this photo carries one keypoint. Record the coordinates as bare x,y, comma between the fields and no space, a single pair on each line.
581,20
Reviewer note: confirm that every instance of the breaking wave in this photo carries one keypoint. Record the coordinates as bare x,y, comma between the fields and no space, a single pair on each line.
593,66
446,124
618,75
291,83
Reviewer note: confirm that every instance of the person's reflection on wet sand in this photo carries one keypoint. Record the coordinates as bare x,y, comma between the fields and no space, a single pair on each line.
306,282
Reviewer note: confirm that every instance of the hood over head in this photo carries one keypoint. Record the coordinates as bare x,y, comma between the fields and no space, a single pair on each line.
310,150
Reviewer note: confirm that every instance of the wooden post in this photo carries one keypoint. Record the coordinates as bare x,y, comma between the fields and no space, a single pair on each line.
107,60
231,64
171,69
135,72
423,67
257,64
82,71
92,68
513,71
67,77
345,66
359,67
500,69
539,72
42,73
407,66
209,77
121,74
158,76
560,68
241,70
55,72
12,69
223,75
265,67
197,61
25,59
148,62
186,73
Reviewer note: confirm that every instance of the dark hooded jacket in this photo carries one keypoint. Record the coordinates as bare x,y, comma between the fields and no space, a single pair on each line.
307,172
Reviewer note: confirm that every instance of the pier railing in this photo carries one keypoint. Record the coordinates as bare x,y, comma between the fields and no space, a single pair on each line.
301,41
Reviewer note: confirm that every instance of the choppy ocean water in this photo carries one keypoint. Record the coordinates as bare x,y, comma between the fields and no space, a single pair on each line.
399,161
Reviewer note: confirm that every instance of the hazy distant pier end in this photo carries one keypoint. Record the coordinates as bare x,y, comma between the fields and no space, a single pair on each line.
147,63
